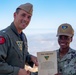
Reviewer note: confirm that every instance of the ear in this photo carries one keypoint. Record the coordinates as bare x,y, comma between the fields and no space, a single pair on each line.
71,39
14,14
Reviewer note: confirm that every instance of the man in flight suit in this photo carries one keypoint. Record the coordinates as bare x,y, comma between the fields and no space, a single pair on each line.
13,44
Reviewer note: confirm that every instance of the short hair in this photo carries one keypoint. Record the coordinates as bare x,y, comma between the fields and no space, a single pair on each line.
17,10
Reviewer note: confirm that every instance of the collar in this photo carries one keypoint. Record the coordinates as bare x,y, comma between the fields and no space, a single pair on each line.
12,26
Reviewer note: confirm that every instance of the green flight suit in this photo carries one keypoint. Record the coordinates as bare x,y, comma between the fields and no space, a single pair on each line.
13,51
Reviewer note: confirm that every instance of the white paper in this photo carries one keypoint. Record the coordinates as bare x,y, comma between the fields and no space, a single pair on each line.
47,63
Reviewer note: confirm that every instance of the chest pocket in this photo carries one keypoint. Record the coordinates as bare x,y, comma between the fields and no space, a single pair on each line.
16,47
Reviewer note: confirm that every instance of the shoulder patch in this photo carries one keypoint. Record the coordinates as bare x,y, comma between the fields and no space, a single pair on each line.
2,40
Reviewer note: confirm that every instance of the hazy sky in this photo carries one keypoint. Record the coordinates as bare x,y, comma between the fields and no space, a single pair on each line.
47,14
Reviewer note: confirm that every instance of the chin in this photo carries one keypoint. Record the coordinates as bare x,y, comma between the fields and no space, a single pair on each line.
23,27
62,46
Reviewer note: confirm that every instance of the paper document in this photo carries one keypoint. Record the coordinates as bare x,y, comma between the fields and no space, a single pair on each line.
47,63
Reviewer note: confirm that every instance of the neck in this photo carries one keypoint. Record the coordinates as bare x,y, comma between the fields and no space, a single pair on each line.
63,51
18,30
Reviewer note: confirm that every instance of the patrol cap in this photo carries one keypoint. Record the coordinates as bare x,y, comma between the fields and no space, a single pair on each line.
65,29
28,7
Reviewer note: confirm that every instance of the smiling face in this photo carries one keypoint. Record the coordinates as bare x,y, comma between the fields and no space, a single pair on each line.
21,20
64,41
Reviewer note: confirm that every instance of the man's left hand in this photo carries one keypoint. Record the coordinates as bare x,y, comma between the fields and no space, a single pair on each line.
34,60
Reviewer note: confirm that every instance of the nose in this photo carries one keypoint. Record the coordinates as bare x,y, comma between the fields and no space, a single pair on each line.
26,18
62,40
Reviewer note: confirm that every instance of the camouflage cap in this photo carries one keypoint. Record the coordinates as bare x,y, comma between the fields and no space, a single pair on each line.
65,29
28,7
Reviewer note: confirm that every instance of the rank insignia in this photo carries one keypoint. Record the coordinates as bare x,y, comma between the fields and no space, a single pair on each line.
20,44
64,27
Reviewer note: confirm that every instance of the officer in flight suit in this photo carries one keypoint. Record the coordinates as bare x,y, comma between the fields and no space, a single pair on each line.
13,44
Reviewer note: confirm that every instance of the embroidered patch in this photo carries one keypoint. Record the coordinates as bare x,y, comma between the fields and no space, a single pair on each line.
20,44
2,40
64,27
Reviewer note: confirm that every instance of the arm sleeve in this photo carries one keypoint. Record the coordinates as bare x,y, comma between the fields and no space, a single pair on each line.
28,60
5,68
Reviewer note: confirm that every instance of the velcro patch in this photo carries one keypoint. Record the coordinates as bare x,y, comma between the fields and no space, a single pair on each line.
2,40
